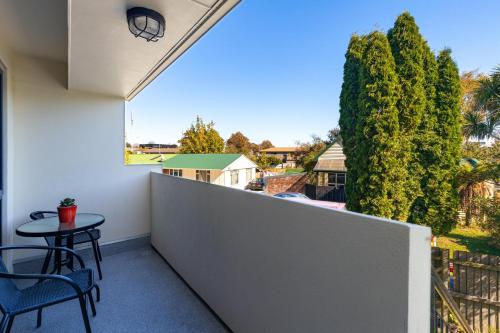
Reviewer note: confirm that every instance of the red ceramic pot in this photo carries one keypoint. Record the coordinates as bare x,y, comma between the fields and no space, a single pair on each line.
67,214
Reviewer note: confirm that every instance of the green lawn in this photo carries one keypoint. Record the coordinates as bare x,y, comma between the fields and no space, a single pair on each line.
470,239
294,170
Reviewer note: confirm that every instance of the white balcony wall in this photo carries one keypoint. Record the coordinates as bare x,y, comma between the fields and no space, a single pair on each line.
269,265
69,143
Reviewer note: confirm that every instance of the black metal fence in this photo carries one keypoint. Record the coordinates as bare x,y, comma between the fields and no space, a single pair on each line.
327,193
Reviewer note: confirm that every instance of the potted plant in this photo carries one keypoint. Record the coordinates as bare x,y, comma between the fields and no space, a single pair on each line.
67,210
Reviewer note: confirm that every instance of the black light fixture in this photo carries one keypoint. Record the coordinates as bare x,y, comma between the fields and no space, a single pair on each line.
146,23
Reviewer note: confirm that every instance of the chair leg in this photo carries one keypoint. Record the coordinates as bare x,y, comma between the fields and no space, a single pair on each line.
39,318
97,292
92,305
46,262
4,322
83,307
98,250
9,325
96,257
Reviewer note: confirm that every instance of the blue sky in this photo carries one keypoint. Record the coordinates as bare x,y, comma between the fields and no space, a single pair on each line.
272,69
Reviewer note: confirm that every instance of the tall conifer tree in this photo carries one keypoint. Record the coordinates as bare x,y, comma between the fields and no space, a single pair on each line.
400,123
425,209
348,114
378,169
407,49
448,131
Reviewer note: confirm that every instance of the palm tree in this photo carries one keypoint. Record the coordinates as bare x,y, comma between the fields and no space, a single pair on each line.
482,120
474,124
472,180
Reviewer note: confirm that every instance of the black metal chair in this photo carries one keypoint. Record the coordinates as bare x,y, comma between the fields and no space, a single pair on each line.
50,289
90,236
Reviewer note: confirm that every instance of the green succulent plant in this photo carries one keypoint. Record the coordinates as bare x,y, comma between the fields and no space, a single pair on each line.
67,202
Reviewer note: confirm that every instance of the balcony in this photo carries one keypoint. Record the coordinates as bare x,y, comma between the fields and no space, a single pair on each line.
251,263
140,293
260,264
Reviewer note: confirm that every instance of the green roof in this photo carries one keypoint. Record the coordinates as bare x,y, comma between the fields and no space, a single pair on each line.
147,158
200,161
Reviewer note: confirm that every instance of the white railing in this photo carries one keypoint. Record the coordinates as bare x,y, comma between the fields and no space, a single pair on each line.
269,265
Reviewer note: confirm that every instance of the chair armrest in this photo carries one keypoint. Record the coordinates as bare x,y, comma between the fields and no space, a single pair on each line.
42,277
41,247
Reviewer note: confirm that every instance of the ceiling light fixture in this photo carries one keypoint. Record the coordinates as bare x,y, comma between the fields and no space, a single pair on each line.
146,23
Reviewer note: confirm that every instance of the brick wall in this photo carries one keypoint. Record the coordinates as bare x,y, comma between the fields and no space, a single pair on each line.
285,183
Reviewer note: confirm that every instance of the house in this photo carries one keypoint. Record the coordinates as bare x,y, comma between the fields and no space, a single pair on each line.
330,168
285,154
232,170
330,176
261,264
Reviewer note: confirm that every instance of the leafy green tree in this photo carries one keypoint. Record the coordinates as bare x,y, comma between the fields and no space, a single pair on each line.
472,119
307,153
238,143
473,188
490,216
201,138
254,149
263,161
274,161
486,154
407,49
333,136
380,175
265,145
349,96
487,107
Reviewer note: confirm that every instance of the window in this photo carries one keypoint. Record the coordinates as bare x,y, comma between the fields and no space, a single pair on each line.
336,179
173,172
203,176
234,177
249,175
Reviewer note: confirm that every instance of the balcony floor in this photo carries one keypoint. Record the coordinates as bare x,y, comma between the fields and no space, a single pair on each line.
139,293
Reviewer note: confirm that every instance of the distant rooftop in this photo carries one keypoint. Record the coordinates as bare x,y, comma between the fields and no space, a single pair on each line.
157,150
280,150
201,161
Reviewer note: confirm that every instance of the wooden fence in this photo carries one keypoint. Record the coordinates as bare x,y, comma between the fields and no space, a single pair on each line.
474,285
327,193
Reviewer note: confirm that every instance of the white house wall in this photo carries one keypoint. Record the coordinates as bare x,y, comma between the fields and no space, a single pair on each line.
241,164
71,144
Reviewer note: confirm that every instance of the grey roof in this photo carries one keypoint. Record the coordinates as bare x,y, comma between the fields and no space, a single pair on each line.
333,159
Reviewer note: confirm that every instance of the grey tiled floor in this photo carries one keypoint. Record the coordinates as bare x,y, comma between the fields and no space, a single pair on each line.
139,293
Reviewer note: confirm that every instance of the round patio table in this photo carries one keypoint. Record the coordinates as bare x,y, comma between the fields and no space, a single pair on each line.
50,227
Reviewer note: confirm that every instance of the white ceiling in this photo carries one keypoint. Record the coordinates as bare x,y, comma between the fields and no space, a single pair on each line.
35,27
104,57
92,36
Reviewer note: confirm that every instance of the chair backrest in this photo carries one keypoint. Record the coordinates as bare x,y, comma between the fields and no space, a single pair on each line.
40,214
8,289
